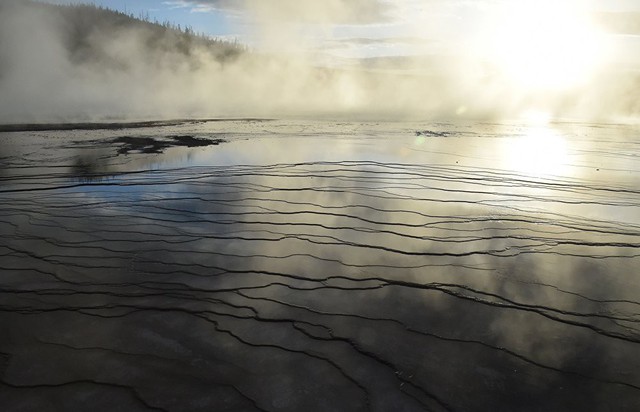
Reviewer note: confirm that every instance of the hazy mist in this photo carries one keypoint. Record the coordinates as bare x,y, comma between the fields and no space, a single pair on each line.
128,72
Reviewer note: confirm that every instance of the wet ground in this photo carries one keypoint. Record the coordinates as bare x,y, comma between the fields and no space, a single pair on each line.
287,265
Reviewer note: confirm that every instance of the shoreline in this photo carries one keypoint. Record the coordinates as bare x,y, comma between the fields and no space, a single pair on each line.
41,127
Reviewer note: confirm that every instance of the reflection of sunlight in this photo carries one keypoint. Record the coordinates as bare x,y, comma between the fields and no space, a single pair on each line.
546,45
539,152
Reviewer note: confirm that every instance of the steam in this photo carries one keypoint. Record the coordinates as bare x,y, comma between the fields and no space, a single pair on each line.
125,72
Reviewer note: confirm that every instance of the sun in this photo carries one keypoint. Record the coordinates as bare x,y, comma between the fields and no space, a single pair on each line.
545,45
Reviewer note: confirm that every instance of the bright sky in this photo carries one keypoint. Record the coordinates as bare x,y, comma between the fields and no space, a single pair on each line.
517,35
375,18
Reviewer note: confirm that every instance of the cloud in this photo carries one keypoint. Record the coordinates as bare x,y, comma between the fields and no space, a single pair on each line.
384,40
304,11
357,48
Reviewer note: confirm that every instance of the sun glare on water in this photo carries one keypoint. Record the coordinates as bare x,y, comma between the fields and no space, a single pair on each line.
540,152
545,45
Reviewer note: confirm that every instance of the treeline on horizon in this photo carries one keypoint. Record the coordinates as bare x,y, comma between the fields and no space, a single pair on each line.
85,22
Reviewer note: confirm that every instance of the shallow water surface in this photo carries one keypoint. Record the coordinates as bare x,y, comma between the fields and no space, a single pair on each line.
289,265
